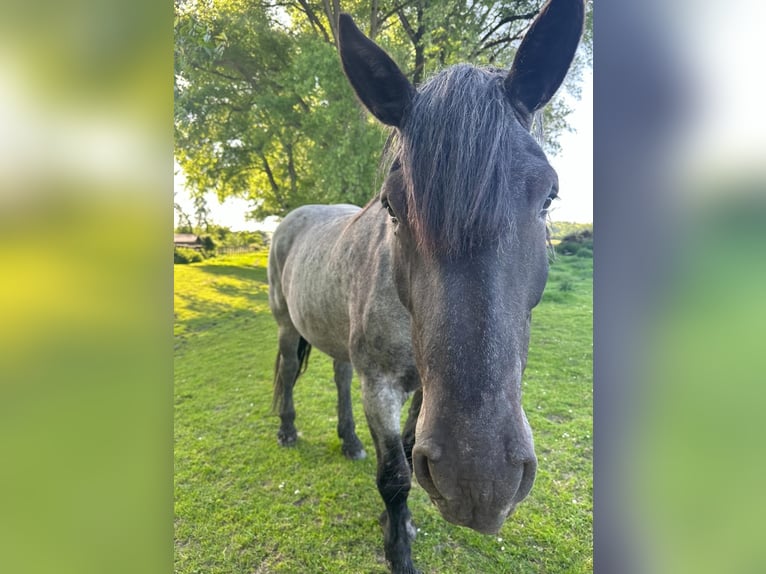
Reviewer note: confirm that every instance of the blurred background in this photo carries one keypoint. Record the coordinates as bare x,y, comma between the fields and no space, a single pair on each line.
86,199
86,286
680,316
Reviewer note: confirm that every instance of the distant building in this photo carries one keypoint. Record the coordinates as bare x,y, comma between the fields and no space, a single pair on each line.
188,240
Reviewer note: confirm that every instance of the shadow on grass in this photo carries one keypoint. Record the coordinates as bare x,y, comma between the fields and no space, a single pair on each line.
245,273
245,299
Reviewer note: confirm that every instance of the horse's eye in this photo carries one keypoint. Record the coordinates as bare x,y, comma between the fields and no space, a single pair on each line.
553,194
388,208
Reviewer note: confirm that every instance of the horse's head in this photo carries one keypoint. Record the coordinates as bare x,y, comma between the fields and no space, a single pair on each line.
467,193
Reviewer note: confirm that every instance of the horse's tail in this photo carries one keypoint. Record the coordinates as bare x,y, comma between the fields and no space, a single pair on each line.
304,350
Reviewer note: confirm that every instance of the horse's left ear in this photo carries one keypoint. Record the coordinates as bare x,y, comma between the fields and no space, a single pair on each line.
376,79
544,57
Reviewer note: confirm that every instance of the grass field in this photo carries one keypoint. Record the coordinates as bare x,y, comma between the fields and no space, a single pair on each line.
245,505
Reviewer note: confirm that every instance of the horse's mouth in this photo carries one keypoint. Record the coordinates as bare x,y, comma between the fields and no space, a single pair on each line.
485,522
471,518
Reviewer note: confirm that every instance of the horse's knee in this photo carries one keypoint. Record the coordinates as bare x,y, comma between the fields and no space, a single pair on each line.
394,483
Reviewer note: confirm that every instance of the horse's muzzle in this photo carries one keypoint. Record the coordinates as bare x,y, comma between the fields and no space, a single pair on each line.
480,497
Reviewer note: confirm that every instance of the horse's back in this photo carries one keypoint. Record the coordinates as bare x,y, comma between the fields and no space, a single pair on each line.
308,219
306,225
306,280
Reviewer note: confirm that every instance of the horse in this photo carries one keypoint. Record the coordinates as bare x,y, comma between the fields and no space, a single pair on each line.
427,292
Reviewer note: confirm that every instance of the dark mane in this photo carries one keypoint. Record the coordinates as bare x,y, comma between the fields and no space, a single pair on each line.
455,150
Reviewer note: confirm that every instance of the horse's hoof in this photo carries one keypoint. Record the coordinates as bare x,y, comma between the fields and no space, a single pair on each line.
285,439
354,454
352,448
408,568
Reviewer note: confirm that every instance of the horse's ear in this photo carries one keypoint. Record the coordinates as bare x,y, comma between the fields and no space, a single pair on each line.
376,79
545,54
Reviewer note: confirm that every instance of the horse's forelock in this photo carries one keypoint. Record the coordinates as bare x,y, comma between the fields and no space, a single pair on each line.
455,151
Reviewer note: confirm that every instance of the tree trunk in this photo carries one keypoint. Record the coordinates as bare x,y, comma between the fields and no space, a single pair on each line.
273,182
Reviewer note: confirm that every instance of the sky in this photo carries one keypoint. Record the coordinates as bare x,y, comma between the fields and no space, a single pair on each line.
574,165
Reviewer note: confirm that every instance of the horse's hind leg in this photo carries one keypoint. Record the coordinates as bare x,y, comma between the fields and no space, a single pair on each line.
352,447
288,365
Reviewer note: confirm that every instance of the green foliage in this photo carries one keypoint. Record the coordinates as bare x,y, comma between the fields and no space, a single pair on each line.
207,243
263,110
263,114
560,229
221,238
185,255
225,237
578,243
243,504
251,239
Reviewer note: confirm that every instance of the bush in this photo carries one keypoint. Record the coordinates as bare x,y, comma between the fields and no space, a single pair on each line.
562,229
567,248
579,243
207,243
185,255
258,240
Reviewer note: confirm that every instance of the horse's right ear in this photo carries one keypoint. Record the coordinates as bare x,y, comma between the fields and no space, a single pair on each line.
376,79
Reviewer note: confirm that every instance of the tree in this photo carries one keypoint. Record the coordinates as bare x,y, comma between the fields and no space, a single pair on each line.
201,213
260,111
184,221
263,111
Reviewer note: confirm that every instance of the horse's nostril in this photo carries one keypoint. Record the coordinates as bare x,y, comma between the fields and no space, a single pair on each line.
527,480
422,467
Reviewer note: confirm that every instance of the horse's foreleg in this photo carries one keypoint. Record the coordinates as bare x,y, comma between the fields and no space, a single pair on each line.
352,447
382,406
287,373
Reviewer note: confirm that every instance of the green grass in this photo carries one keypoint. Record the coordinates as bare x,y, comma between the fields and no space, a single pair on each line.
243,504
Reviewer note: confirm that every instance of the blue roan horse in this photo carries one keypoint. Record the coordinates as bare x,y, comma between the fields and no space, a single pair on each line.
432,293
